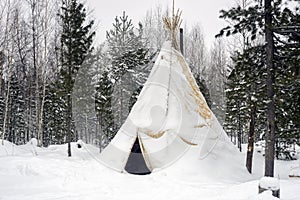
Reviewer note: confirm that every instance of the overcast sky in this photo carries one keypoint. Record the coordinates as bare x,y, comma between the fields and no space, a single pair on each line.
205,12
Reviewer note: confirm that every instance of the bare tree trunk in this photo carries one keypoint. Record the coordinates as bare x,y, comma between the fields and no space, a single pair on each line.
85,130
44,76
40,127
8,78
69,125
69,121
270,135
239,136
4,41
69,109
100,132
251,139
235,136
5,112
36,45
33,5
121,104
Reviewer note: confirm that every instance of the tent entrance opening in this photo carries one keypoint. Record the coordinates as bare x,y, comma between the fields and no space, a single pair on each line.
136,163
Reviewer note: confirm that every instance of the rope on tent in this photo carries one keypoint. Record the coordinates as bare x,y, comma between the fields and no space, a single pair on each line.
169,84
200,126
189,143
144,152
155,136
161,133
203,108
219,135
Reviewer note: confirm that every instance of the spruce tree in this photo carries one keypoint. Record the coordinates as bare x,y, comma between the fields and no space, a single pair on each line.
247,92
55,111
16,121
281,24
76,44
129,58
103,102
203,88
83,100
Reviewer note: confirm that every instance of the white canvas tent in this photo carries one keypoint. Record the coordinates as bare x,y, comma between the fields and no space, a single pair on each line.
169,119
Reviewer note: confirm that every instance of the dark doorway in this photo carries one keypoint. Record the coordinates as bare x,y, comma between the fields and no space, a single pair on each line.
136,163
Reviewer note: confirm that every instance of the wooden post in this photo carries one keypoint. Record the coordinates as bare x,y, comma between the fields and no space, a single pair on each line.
181,40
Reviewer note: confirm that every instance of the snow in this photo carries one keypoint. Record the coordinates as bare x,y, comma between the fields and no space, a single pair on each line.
269,183
52,175
254,99
295,172
33,142
267,195
80,142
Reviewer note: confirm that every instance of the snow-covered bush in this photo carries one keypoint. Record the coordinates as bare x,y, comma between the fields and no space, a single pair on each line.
33,142
269,184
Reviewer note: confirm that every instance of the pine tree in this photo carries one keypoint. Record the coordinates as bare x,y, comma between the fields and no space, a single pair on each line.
76,44
203,88
54,127
83,100
234,116
274,22
103,102
246,95
287,85
16,125
129,58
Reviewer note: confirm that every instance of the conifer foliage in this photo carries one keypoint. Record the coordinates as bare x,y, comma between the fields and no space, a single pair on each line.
129,58
260,78
76,44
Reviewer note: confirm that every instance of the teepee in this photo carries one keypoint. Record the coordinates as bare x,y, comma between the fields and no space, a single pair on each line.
169,118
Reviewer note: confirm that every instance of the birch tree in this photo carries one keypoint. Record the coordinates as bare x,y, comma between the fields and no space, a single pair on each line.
216,77
9,48
5,14
45,63
154,29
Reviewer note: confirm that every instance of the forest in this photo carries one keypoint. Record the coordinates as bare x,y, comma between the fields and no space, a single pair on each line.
58,85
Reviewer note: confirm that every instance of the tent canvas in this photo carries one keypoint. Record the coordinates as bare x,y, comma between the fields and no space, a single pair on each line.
169,117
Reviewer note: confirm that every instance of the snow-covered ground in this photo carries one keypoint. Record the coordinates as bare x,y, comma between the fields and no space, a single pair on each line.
52,175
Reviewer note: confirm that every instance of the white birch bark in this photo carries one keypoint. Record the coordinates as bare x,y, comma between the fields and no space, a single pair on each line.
9,70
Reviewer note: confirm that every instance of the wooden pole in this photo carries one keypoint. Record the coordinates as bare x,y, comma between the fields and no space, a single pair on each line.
270,135
181,40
